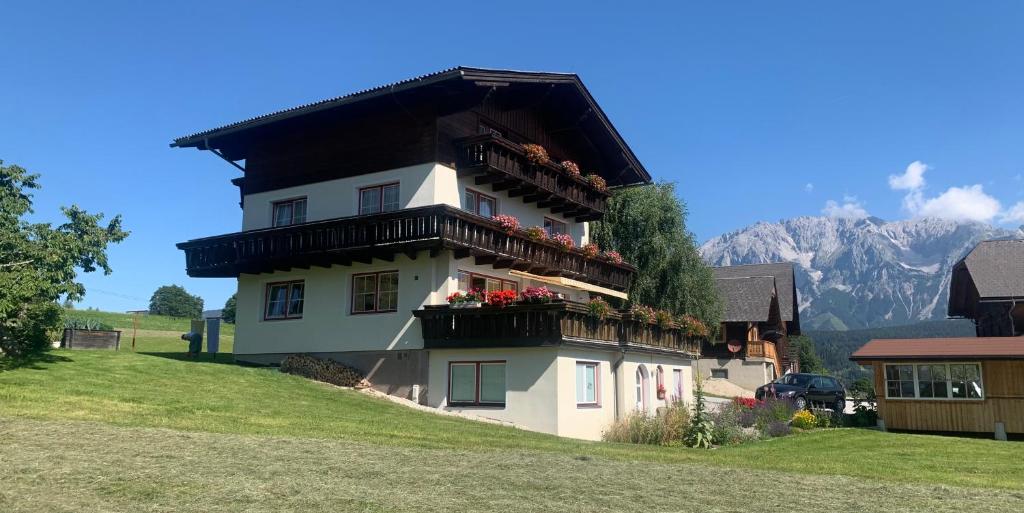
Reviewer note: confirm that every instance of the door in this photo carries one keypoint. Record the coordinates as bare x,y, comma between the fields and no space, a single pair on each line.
818,392
642,399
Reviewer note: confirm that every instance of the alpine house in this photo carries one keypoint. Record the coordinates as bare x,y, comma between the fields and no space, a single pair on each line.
374,225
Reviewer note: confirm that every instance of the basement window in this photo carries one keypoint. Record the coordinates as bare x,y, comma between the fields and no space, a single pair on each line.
720,373
476,383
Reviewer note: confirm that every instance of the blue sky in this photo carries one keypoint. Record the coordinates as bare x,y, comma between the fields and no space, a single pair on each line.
758,110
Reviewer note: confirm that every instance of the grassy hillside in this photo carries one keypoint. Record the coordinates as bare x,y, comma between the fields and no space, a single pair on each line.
835,347
123,321
121,431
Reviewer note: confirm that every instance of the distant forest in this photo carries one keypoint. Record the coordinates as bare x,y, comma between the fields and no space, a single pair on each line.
835,347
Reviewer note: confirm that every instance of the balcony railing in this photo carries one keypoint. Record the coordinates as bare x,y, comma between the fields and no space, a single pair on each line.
543,325
504,165
345,240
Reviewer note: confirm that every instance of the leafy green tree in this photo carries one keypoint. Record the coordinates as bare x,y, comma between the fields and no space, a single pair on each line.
647,226
175,301
808,354
39,263
228,314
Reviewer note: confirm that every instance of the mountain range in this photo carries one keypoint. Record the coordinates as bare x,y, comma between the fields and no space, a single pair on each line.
860,273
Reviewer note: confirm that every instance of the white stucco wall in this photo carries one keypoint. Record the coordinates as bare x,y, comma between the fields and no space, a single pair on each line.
531,379
747,373
418,186
327,323
633,360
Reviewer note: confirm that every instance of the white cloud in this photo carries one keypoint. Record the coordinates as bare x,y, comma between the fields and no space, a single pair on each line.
911,179
809,187
1014,214
969,203
849,209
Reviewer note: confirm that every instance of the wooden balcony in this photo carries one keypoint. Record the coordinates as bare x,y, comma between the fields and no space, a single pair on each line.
504,165
345,240
543,325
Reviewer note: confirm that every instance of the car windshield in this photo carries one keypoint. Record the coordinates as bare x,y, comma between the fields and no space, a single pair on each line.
799,380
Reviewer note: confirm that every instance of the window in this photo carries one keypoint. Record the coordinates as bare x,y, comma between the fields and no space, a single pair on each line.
375,292
934,381
587,384
480,204
720,373
476,383
659,379
284,300
377,199
677,381
469,281
288,212
641,388
553,226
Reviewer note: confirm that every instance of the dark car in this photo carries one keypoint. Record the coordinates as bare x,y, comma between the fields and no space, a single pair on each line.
805,389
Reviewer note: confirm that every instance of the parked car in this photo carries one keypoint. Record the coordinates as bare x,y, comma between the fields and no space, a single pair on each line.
805,390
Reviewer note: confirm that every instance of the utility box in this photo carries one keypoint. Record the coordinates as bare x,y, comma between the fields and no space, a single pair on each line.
212,336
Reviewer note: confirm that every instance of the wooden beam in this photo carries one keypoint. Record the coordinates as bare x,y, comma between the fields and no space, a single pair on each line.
521,266
461,253
504,263
411,254
503,185
487,178
486,259
537,196
387,257
434,252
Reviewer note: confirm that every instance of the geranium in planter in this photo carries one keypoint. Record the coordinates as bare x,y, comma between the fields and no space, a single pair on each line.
501,298
664,320
692,326
535,153
596,182
598,308
536,233
564,240
590,249
538,295
472,299
614,256
508,223
661,391
642,313
570,168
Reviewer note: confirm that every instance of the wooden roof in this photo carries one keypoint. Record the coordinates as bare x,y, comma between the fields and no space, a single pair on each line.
983,348
448,87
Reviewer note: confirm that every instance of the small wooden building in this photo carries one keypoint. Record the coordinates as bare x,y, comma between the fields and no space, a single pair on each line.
987,287
949,384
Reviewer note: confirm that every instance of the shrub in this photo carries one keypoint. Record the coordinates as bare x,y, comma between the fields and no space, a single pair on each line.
564,241
700,432
501,298
777,428
230,309
570,168
30,332
538,295
536,233
508,223
596,182
863,416
328,371
598,308
772,410
535,153
804,419
613,256
666,428
590,250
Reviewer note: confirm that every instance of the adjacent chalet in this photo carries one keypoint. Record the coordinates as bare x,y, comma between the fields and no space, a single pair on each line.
988,287
961,384
361,214
760,314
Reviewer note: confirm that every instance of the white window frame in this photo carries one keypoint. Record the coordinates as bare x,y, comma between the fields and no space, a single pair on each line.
290,202
380,198
594,367
949,382
555,222
474,207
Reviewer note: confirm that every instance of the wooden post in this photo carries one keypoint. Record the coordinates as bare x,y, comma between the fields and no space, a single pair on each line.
135,328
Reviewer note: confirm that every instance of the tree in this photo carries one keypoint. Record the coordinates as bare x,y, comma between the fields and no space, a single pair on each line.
175,301
647,226
39,263
808,354
228,314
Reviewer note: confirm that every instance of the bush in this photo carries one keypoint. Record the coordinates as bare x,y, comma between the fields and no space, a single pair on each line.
863,416
175,301
230,308
777,428
30,331
82,323
804,419
772,410
666,428
328,371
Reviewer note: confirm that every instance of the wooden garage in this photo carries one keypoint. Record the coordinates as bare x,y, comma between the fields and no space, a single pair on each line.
949,384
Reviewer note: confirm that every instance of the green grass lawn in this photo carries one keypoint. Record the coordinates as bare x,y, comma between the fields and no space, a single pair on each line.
123,431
